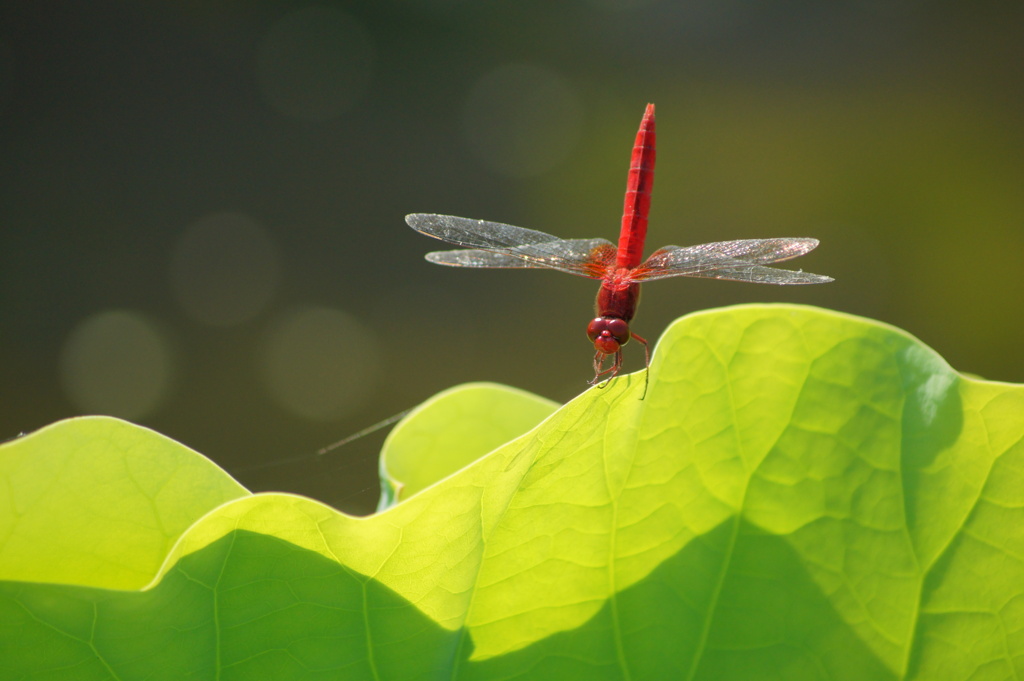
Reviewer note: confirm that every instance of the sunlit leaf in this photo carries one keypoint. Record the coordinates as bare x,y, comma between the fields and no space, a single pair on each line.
451,430
802,495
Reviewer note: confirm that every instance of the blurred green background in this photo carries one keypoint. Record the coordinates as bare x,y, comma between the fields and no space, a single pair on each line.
201,223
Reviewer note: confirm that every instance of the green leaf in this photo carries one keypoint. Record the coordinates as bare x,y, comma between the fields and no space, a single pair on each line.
802,495
452,430
95,501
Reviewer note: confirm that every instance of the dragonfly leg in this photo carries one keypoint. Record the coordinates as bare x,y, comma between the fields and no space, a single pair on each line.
616,365
599,371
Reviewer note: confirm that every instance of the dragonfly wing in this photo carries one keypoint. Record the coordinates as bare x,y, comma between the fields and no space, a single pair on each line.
759,274
743,260
493,244
476,258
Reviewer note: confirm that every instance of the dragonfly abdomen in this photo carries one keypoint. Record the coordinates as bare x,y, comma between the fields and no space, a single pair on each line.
638,194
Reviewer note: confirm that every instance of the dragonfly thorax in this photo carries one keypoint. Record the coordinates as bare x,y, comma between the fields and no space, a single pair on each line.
617,302
608,334
620,279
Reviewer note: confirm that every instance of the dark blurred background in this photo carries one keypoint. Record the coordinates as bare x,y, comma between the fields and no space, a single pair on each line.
201,203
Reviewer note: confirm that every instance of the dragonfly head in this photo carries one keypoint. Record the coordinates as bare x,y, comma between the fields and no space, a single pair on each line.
608,334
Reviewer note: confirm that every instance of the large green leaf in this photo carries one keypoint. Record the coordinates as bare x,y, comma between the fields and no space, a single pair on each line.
801,495
450,431
94,501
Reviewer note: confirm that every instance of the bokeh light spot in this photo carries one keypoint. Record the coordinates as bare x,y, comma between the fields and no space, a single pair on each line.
224,270
522,120
116,363
315,63
319,363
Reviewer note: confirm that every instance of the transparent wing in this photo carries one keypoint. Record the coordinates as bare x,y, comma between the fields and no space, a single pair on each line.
492,244
743,260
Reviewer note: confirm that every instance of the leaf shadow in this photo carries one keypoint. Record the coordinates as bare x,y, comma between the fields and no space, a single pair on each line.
770,619
254,606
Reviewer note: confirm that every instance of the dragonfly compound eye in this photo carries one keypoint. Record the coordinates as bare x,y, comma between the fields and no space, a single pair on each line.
608,334
619,329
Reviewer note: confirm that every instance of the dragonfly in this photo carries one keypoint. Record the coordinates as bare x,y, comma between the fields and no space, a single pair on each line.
620,268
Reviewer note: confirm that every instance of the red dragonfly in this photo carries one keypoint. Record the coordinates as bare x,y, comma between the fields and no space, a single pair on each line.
492,244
